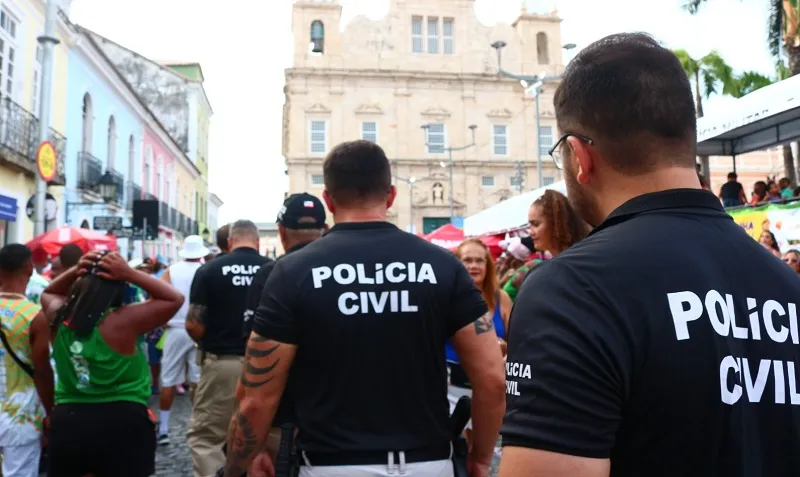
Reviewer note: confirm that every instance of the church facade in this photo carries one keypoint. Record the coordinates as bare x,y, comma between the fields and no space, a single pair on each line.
415,82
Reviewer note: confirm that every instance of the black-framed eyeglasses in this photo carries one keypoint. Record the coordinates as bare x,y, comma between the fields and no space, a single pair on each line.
555,152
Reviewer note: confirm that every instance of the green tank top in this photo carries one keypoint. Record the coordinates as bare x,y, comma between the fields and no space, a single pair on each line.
89,371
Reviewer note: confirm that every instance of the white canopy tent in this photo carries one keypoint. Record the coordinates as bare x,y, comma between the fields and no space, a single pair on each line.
764,118
511,214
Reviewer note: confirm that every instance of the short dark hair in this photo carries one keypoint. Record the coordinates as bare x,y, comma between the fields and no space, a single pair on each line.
243,228
357,171
70,255
632,97
222,236
13,257
732,175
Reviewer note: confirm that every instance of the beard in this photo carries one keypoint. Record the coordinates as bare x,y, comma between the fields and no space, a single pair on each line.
582,199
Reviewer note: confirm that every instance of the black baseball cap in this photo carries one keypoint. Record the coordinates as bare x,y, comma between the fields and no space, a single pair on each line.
302,211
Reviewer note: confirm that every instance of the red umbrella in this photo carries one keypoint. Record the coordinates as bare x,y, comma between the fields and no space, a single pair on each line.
448,236
52,241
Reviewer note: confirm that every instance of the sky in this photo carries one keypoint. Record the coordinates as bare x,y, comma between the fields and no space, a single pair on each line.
242,47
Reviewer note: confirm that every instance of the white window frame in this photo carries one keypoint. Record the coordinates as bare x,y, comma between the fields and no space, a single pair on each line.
311,142
313,183
484,182
495,144
444,139
544,146
365,135
10,41
432,37
37,79
448,41
417,42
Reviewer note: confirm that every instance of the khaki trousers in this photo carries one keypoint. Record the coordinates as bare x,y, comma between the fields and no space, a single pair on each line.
213,409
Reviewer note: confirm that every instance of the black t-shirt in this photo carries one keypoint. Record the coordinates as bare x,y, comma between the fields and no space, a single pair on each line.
221,286
730,190
285,411
370,308
665,341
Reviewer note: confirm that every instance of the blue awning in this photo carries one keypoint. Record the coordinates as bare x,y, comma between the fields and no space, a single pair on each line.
8,208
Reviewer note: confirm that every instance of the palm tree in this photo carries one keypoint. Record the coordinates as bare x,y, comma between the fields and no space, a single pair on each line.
709,75
783,34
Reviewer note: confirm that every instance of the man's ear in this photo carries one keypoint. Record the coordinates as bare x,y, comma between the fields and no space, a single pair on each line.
329,201
583,160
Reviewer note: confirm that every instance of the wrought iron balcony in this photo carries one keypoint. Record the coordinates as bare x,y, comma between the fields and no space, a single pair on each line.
90,169
119,180
163,214
134,193
181,222
173,218
19,140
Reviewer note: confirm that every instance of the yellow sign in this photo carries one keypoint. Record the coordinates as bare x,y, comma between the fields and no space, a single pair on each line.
46,161
753,221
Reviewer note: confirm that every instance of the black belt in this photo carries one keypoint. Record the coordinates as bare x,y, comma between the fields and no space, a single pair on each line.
425,454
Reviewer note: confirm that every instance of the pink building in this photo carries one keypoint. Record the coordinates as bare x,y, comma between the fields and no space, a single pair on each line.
158,176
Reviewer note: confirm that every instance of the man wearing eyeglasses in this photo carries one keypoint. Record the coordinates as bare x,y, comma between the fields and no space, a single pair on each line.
654,347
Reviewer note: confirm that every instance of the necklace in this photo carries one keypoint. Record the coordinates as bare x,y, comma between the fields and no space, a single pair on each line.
15,295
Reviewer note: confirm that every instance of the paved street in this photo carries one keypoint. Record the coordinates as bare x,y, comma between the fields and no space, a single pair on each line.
175,460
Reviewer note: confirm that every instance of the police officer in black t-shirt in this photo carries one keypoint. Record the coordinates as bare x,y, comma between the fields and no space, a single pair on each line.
301,220
361,317
216,306
655,347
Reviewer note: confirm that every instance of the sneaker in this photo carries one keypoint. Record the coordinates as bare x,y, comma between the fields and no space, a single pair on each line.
163,440
180,389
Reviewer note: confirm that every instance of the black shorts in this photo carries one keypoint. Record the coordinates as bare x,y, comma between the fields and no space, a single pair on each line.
115,439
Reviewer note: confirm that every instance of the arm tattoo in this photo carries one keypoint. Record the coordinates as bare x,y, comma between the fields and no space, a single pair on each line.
242,445
257,375
197,314
484,324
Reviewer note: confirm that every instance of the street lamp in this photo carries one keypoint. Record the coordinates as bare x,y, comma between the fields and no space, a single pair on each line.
450,150
107,186
410,181
532,85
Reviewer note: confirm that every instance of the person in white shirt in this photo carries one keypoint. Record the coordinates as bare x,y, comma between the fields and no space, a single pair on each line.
179,349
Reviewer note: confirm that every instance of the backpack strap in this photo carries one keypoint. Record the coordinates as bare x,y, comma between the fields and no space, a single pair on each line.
25,366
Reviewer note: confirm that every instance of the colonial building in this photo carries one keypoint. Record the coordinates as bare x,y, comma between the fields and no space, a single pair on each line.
427,62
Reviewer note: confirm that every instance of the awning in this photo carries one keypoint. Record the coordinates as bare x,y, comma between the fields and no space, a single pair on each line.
511,214
8,208
767,117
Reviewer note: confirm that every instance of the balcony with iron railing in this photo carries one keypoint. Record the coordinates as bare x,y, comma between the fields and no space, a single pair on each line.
181,225
173,218
19,140
163,214
119,180
90,170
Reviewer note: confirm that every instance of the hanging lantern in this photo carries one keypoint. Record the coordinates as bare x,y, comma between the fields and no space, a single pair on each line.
317,37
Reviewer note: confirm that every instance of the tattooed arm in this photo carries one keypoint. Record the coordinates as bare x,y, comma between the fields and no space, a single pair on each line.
479,353
266,368
196,321
198,296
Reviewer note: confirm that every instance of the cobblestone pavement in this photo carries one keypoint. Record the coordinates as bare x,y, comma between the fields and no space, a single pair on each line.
175,460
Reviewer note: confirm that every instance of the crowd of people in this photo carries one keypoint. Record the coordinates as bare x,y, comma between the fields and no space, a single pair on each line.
611,335
768,191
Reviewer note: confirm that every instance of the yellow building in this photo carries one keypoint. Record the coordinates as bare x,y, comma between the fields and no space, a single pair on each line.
425,63
200,113
21,22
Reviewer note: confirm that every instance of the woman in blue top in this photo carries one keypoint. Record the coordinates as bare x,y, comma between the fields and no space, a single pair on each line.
476,257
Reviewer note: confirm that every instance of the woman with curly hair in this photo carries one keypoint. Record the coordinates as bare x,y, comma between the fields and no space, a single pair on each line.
554,226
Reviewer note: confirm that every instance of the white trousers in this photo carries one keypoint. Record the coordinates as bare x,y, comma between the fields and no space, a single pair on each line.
436,468
21,461
179,352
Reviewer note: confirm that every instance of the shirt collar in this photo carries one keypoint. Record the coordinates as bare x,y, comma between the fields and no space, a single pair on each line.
667,199
297,247
377,225
244,250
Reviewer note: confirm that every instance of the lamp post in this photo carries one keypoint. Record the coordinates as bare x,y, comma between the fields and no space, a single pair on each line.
532,85
450,150
107,187
410,181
